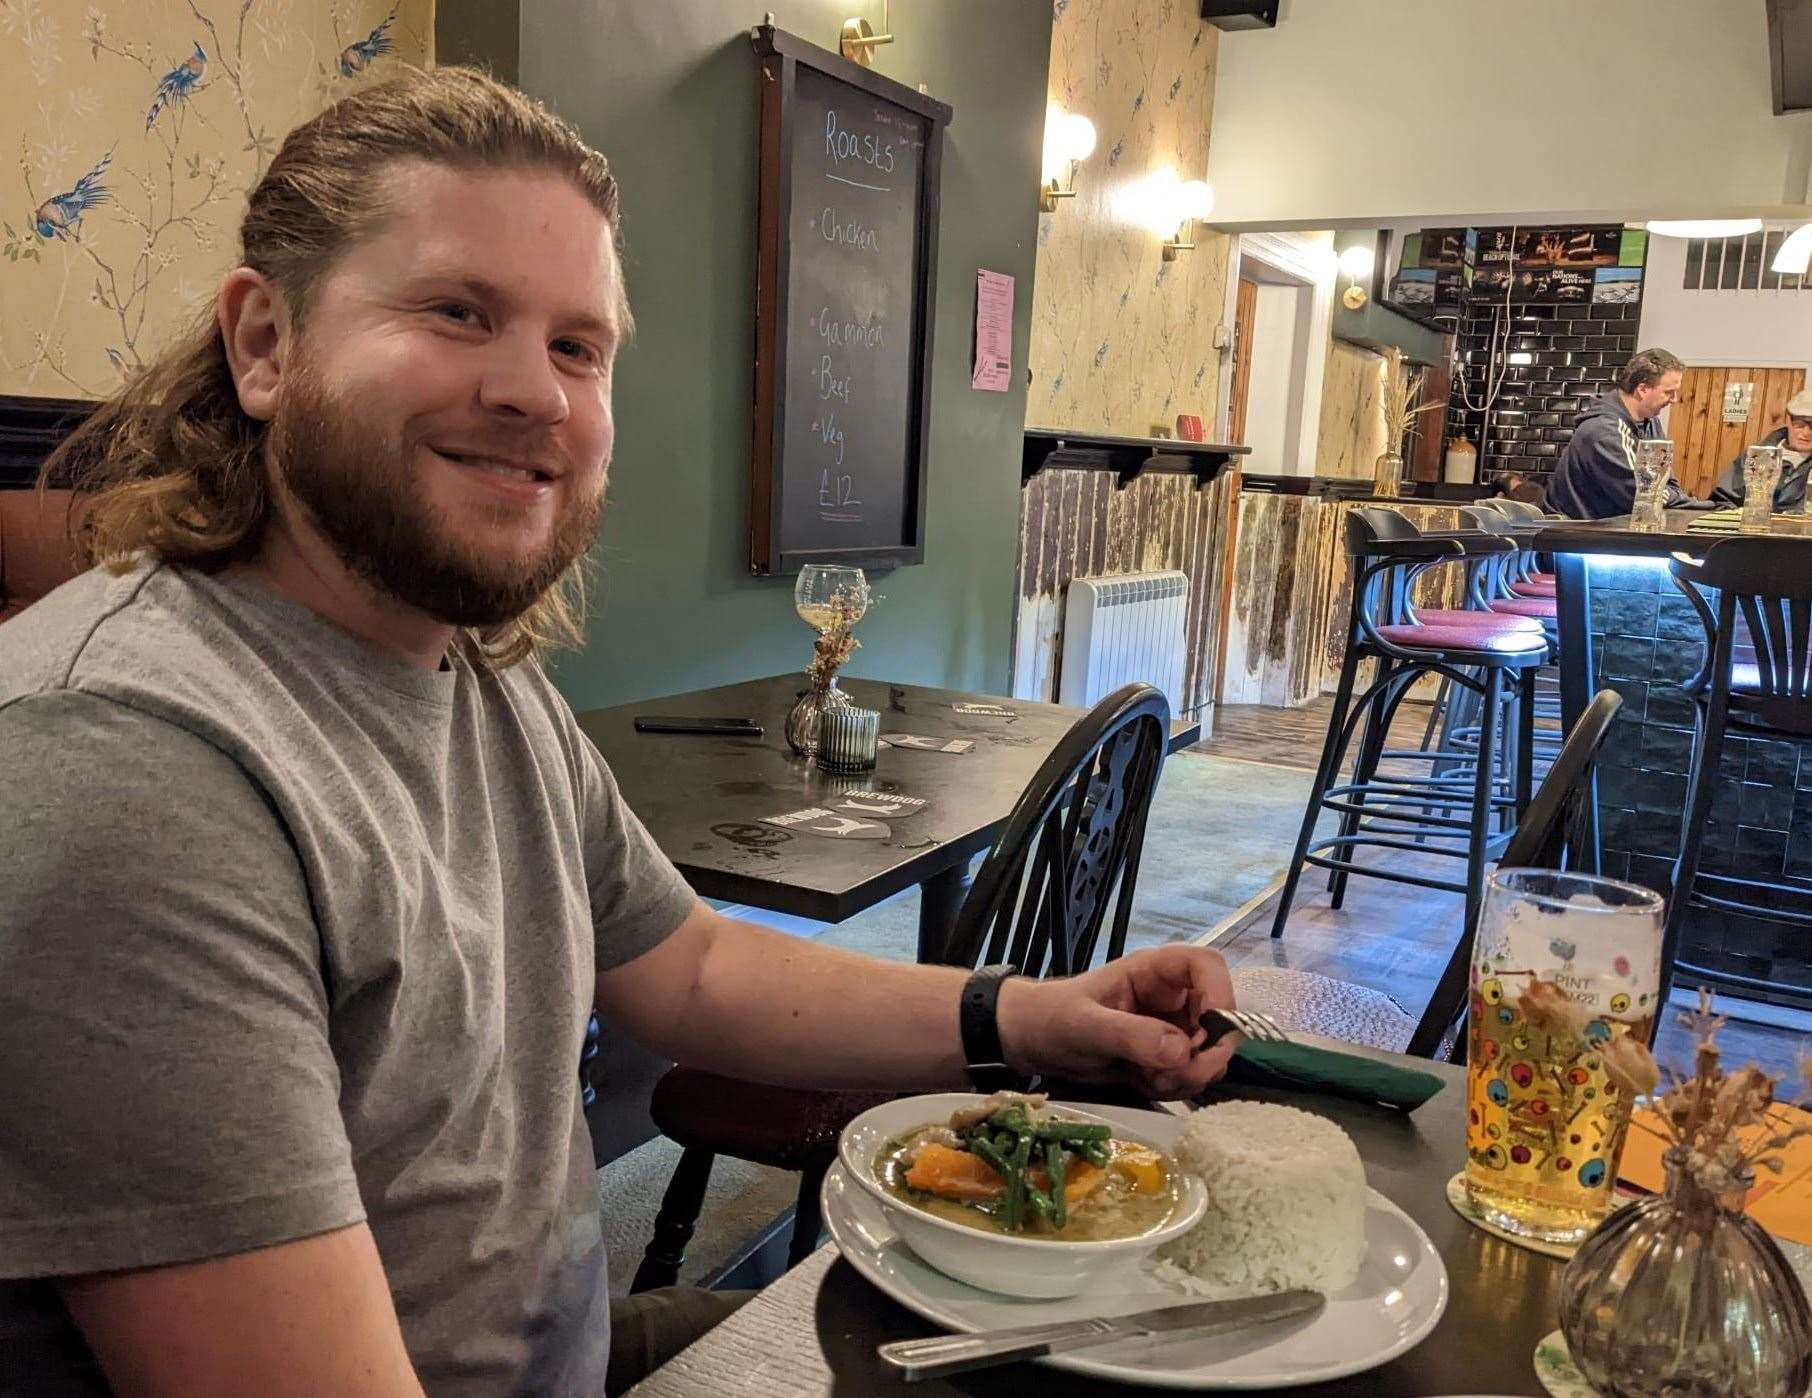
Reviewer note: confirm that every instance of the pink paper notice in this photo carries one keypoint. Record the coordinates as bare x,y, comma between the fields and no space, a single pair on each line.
993,331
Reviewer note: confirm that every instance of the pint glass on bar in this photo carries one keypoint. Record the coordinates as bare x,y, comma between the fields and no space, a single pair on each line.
1761,473
1654,464
1564,964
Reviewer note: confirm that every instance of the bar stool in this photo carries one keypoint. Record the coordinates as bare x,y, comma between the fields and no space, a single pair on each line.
1761,689
1484,654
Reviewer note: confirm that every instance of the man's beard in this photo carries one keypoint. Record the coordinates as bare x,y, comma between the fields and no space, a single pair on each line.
357,485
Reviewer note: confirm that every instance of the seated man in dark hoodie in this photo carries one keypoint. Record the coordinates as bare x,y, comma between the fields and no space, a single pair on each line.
1596,477
1795,441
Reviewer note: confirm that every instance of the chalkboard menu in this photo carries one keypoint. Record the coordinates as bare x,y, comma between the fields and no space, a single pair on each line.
846,275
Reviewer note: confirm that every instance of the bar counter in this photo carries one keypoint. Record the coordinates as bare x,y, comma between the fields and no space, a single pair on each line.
1625,625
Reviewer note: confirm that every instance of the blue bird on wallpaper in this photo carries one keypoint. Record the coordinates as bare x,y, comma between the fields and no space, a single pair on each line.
357,57
58,215
178,83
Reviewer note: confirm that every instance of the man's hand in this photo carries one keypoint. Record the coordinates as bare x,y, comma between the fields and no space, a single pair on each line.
1135,1018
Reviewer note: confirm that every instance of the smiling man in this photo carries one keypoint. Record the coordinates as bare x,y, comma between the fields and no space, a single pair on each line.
308,878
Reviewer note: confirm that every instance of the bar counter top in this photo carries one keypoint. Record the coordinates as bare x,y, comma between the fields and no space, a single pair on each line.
1615,535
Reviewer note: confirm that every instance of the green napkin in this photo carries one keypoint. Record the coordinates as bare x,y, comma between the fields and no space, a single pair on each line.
1307,1068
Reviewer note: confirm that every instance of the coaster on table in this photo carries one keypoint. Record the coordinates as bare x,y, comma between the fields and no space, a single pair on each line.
878,805
1556,1370
816,820
987,710
919,744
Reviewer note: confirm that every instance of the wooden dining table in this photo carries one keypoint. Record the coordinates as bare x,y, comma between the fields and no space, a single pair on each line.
704,798
814,1331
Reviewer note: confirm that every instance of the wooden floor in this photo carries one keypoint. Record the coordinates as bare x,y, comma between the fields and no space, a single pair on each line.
1293,737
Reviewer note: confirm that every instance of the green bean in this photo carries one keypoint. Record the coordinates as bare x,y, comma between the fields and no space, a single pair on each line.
1095,1152
1073,1131
1059,1176
1015,1206
985,1149
1011,1119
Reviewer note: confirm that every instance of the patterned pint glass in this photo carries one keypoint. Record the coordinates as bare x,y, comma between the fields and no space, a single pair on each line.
1654,465
1564,965
1761,473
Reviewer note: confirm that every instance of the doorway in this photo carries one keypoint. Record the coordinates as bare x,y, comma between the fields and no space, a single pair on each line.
1278,301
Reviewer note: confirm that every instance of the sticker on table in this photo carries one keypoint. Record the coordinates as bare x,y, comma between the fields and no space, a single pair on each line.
816,820
918,744
987,710
879,805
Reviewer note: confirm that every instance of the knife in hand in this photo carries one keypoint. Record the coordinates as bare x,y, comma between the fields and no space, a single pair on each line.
954,1354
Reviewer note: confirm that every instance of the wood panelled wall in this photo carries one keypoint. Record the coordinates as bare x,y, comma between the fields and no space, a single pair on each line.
1079,524
1292,592
1703,442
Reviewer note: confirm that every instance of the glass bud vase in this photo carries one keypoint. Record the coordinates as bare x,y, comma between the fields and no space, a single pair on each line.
1387,475
1685,1296
802,719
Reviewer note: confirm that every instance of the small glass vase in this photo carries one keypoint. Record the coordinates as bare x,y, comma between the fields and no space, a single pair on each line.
802,720
1683,1295
1387,475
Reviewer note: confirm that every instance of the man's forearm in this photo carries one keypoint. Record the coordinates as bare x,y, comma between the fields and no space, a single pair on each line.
780,1009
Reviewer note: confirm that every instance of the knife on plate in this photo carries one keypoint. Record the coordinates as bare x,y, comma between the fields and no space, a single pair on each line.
954,1354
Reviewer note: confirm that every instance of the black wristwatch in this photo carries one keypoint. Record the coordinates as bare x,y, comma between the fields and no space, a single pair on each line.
982,1053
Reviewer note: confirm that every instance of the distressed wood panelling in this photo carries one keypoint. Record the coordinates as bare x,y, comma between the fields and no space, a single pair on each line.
1080,524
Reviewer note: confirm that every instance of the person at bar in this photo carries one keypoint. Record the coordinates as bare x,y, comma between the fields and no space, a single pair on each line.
309,879
1794,438
1596,476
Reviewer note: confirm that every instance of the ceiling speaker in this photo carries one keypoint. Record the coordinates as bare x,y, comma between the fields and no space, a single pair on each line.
1241,14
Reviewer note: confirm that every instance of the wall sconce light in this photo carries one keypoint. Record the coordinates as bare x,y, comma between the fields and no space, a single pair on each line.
1356,263
1069,139
857,42
1193,200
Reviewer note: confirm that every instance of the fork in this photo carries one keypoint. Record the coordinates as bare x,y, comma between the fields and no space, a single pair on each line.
1220,1023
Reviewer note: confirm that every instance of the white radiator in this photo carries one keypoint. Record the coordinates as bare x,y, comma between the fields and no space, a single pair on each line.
1120,629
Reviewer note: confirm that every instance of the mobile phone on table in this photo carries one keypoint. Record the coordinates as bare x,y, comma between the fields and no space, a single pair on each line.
734,727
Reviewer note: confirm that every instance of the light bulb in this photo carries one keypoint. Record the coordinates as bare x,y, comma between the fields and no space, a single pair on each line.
1195,199
1078,136
1356,261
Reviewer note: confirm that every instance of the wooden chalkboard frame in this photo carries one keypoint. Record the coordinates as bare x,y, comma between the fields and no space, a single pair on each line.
780,55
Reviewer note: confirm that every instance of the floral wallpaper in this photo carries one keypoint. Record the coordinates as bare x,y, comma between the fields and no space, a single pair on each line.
1122,341
1352,412
130,132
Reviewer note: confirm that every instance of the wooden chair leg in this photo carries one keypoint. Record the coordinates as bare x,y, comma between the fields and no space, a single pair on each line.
673,1226
808,1218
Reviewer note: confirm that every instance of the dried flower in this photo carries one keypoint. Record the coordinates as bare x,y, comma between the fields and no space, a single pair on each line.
1402,394
1630,1065
1551,1010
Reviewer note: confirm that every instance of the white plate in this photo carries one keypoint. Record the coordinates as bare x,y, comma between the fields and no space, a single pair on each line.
1399,1297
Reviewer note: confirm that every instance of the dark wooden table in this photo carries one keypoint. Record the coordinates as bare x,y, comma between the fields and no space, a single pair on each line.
702,798
815,1330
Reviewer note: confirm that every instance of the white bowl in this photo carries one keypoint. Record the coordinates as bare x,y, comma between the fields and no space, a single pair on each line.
1040,1268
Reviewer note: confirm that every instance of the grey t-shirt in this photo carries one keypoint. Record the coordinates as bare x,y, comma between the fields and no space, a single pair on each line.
294,934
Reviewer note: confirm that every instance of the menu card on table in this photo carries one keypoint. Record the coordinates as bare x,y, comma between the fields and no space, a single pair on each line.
1780,1203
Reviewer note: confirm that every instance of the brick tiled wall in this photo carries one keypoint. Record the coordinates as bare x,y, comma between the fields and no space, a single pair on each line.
1576,351
1646,640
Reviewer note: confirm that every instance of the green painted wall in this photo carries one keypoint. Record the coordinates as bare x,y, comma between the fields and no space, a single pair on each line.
480,32
667,91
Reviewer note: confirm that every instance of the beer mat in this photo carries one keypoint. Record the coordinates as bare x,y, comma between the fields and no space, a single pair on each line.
987,710
833,825
922,744
1464,1207
1333,1074
1555,1368
881,805
1780,1203
1717,522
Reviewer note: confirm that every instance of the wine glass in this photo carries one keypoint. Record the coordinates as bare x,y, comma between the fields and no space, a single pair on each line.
827,593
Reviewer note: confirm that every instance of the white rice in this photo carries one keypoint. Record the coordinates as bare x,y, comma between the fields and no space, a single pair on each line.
1286,1204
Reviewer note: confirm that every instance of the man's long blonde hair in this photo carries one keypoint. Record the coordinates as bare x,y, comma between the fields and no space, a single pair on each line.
174,466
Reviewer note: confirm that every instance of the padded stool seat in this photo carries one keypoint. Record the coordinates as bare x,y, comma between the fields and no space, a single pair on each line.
1309,1003
1533,589
1541,608
784,1127
1465,638
1547,578
1491,621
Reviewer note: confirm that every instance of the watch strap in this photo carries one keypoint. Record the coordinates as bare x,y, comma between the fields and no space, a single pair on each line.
982,1052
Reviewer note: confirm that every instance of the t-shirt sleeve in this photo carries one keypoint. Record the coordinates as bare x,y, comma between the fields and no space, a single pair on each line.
170,1091
638,898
